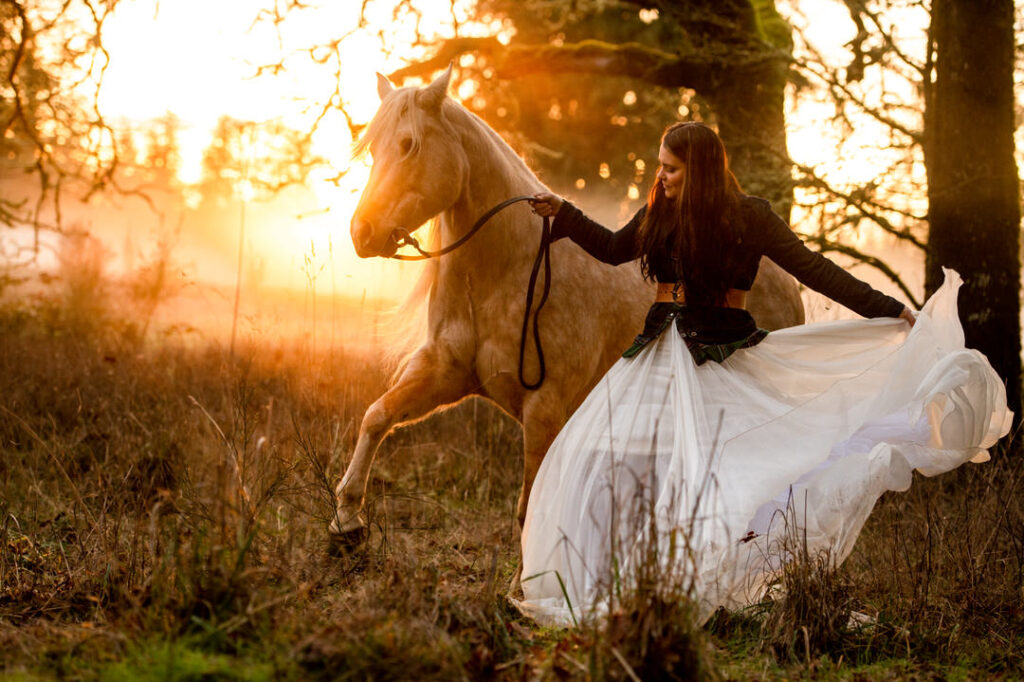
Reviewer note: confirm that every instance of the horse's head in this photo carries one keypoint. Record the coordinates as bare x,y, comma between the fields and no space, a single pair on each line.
419,165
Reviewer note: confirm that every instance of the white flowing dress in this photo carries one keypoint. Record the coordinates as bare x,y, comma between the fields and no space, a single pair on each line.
801,434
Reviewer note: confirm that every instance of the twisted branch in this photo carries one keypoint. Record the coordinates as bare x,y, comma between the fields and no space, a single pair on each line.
691,69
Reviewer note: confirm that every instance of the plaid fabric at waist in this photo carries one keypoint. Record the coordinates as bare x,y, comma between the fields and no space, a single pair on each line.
710,332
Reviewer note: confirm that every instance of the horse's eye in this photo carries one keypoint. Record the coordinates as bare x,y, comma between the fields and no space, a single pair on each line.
406,145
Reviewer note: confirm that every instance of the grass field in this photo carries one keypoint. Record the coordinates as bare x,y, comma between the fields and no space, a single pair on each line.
164,508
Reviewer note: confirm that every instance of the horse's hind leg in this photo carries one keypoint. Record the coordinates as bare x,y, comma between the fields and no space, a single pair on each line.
430,379
543,417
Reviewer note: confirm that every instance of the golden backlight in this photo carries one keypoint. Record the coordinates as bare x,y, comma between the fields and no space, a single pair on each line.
198,60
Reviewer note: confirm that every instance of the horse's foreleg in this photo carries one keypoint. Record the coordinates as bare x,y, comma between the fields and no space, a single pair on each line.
430,380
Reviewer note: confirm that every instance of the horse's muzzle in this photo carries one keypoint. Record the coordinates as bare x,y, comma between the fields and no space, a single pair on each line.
369,243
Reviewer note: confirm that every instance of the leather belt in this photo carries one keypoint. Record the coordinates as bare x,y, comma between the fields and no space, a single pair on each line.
672,292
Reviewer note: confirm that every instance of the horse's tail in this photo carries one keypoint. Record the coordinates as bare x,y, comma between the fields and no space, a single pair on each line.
405,325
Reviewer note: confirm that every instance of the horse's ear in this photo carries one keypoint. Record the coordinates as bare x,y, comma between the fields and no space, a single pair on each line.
431,96
384,86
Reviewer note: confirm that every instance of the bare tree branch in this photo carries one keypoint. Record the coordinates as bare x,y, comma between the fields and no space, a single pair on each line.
47,125
693,69
859,199
844,92
825,245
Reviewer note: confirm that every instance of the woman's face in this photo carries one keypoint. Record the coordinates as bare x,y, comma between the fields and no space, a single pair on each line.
671,172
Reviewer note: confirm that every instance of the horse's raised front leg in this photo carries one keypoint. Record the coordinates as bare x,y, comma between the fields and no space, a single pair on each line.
431,379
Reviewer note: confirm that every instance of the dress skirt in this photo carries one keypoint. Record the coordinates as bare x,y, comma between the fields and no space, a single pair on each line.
714,466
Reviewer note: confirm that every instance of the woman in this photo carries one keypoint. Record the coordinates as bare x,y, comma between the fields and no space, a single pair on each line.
704,450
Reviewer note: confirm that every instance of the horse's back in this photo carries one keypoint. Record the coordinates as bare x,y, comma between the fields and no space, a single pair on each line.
774,300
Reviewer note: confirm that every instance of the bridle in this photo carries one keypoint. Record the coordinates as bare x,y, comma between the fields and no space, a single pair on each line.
401,237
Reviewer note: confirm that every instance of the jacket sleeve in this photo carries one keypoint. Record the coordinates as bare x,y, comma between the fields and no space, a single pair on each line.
816,271
600,242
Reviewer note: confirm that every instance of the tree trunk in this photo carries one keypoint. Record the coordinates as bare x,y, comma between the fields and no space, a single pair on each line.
974,213
749,105
749,102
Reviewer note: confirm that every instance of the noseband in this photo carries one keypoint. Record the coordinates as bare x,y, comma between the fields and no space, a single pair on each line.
401,237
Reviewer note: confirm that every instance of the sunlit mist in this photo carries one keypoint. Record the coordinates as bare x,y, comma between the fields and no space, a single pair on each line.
200,62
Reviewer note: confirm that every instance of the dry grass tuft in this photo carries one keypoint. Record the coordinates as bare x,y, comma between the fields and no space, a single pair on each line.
810,616
650,629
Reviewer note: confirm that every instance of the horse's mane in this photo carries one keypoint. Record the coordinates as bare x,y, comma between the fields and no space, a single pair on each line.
403,328
400,108
397,108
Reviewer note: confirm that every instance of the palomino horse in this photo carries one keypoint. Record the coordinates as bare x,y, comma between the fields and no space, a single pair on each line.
432,157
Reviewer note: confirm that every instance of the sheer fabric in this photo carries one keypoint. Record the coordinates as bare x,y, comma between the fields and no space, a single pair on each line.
802,432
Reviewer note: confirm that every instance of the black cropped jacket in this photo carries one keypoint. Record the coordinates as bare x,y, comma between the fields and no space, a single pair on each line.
714,332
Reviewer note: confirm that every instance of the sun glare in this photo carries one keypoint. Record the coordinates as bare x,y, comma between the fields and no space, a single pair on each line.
861,153
198,60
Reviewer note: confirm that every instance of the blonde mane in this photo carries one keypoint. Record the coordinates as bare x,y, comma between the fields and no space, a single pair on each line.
399,107
403,328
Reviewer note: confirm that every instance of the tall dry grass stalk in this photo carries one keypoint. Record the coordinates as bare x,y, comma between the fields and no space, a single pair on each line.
811,600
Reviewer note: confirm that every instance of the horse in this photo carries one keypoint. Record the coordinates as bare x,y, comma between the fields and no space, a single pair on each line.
434,159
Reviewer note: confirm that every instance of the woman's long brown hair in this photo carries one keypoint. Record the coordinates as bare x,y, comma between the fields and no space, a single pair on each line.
696,228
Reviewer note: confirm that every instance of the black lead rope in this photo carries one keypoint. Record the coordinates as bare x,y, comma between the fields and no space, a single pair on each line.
401,237
543,254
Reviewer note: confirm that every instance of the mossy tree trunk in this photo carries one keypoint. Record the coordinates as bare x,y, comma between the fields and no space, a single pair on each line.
748,105
973,190
749,96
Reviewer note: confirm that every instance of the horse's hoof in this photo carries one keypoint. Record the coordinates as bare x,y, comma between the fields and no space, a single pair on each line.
515,586
345,542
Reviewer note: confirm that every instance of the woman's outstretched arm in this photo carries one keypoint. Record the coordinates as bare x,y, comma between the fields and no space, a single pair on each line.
819,273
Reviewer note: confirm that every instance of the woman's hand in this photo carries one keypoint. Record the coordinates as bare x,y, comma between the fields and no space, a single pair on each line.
908,315
546,204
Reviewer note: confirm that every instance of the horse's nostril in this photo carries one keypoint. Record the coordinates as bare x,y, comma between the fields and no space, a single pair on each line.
362,235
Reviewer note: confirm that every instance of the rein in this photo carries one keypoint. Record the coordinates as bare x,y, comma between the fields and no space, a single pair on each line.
402,237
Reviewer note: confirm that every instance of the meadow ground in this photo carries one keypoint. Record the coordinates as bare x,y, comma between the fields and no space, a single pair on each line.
163,513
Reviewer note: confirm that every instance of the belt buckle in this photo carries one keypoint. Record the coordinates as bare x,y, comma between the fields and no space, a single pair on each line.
676,290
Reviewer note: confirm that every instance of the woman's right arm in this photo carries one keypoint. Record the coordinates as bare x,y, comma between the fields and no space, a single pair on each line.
600,242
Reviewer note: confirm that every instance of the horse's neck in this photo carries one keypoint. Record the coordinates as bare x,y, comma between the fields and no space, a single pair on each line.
495,174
